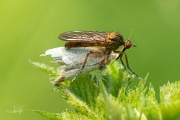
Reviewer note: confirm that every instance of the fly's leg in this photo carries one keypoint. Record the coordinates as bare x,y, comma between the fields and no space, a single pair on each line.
129,66
82,66
58,80
127,63
119,56
104,63
84,63
122,60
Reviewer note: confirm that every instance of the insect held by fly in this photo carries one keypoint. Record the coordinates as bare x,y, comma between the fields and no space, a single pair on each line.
110,41
70,61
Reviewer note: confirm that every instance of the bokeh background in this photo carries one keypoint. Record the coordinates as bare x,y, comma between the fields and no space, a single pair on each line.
29,27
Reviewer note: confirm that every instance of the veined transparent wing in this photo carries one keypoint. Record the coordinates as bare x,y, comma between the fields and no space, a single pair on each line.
84,36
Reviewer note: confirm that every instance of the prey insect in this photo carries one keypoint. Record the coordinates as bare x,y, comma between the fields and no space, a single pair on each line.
71,61
110,41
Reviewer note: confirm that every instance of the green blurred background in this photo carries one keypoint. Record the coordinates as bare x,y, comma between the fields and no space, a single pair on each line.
29,27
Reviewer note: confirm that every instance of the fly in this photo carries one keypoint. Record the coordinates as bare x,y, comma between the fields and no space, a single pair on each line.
110,41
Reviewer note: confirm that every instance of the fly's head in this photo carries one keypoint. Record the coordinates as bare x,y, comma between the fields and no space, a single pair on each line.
128,44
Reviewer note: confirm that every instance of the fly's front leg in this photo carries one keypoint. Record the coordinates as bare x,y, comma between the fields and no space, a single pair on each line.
84,63
120,54
127,64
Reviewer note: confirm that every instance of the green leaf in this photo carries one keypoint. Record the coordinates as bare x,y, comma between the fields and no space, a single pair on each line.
170,101
48,116
110,97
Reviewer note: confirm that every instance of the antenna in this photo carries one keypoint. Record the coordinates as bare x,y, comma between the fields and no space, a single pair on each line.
130,37
130,34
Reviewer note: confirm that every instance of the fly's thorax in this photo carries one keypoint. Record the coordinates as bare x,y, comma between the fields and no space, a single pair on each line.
115,39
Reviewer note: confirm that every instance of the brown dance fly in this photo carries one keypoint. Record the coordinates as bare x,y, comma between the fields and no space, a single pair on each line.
110,41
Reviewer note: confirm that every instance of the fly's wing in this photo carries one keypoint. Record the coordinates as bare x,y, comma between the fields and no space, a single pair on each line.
75,56
84,36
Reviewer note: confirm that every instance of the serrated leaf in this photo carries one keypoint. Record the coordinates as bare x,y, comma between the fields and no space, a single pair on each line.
110,97
48,116
170,101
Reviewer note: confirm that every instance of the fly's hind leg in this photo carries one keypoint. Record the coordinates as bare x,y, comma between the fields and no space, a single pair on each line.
84,63
58,80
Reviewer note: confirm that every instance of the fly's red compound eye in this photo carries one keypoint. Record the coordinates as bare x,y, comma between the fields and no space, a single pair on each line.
128,44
